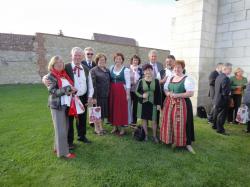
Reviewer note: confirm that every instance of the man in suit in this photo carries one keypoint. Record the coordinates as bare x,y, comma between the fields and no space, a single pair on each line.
89,54
212,77
157,66
83,83
89,63
222,93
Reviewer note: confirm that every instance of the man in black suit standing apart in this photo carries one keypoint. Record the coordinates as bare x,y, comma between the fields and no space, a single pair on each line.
212,77
83,83
88,62
221,98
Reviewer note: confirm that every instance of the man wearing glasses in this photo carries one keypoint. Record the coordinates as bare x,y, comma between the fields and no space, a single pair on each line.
89,54
88,62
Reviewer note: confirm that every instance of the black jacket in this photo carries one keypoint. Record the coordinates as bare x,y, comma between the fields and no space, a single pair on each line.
212,77
86,64
222,91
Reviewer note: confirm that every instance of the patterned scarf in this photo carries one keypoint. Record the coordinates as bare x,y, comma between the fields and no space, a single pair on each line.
59,75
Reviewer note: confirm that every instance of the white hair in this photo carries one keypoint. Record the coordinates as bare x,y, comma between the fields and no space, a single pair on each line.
76,49
152,52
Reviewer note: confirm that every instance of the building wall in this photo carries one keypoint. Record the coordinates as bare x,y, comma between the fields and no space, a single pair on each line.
186,38
18,59
24,59
233,34
206,60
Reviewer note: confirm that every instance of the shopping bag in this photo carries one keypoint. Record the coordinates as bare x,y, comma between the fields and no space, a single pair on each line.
76,106
94,114
72,107
242,114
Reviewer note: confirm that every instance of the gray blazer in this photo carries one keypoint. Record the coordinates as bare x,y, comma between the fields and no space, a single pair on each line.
159,66
55,93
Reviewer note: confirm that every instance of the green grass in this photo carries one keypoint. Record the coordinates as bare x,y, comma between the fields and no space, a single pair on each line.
26,158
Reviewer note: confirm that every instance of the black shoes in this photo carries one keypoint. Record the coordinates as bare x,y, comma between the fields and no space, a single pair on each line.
223,133
71,146
84,140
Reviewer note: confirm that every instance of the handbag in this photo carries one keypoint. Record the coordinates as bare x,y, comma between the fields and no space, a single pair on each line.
94,114
139,133
242,114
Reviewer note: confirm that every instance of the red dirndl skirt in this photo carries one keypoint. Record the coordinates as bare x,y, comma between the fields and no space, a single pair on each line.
118,105
173,128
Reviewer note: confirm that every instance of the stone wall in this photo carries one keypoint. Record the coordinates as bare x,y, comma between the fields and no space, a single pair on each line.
233,33
18,60
51,43
206,32
24,59
186,38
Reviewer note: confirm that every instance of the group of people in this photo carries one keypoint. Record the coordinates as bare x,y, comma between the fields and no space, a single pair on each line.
226,94
124,95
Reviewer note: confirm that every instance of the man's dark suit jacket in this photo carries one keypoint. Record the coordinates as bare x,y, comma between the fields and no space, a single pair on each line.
86,64
222,91
213,75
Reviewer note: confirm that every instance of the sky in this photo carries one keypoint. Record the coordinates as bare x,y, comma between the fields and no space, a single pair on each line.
147,21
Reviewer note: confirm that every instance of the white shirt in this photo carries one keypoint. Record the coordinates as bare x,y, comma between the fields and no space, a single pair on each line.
65,99
168,73
134,74
80,82
89,62
126,75
188,84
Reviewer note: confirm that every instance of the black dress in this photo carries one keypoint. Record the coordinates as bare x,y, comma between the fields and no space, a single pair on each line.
101,84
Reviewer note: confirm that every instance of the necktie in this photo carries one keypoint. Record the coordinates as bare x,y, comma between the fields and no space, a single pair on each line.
89,64
76,68
155,73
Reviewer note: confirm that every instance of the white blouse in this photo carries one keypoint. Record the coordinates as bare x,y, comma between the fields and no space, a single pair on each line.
168,73
126,75
189,84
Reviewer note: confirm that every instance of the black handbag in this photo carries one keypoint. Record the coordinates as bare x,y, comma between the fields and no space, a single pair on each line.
139,133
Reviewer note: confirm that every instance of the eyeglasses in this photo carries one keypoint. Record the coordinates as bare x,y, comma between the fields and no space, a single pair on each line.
90,54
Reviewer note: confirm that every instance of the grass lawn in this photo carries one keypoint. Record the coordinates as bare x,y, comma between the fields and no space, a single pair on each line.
26,158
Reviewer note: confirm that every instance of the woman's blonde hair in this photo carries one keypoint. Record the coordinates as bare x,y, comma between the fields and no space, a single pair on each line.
238,70
52,62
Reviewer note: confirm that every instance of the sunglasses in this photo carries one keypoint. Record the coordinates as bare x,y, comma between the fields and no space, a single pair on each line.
90,53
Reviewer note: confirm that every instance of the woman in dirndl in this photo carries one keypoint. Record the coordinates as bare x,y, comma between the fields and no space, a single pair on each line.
177,122
148,92
119,95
